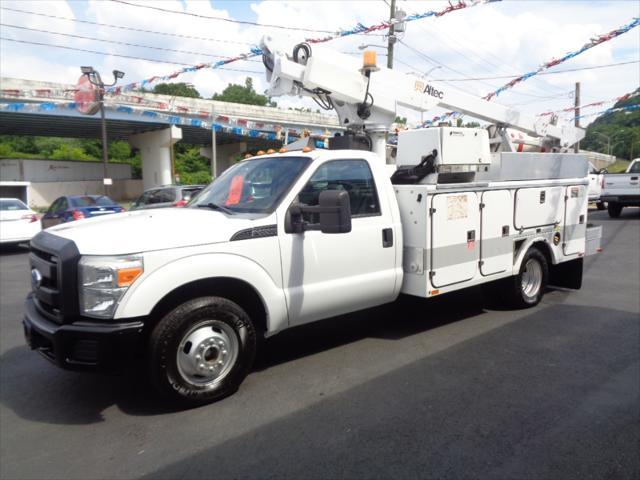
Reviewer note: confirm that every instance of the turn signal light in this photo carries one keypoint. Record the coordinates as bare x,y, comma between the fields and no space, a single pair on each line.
180,203
78,215
127,276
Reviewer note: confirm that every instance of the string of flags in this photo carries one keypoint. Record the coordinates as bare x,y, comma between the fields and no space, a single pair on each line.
256,51
594,104
625,108
594,41
220,123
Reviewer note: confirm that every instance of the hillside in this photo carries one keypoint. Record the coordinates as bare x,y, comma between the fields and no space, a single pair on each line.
619,131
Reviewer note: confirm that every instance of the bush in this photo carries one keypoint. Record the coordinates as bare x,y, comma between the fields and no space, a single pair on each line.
5,150
196,178
68,152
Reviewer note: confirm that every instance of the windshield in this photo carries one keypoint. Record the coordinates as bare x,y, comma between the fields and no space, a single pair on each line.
88,201
12,204
255,185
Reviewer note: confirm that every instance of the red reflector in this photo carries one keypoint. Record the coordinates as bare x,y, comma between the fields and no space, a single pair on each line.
78,215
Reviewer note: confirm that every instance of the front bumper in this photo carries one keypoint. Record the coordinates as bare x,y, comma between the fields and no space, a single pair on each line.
84,344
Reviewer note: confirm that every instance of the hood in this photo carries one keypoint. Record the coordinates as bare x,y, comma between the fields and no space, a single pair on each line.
146,230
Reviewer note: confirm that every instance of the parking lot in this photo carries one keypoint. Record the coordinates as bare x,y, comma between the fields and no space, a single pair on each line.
450,387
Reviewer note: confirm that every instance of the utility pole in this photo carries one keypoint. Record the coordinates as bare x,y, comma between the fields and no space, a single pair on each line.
95,79
576,100
391,39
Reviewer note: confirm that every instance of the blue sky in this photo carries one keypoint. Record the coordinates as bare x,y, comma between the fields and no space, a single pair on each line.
503,38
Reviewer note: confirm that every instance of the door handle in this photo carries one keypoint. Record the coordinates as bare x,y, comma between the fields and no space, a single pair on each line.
387,237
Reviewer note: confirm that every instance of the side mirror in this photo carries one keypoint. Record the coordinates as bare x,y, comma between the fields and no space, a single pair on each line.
334,211
335,216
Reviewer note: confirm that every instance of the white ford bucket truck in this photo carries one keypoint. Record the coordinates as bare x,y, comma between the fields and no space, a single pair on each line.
284,239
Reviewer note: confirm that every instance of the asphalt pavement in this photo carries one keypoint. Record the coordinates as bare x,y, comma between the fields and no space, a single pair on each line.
447,388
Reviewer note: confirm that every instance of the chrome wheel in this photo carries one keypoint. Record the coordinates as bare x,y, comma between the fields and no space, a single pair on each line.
207,353
531,278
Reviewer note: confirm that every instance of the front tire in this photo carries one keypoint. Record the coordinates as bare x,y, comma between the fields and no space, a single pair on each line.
202,351
614,209
527,288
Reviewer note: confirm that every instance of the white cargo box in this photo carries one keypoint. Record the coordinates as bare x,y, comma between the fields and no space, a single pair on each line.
455,146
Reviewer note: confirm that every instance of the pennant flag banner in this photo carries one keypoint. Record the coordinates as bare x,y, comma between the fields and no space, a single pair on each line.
626,108
553,62
256,51
221,123
594,104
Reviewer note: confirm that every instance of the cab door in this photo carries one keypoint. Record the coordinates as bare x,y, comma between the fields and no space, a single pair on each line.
330,274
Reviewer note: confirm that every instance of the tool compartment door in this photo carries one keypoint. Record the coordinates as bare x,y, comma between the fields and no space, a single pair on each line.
538,207
575,214
496,250
455,225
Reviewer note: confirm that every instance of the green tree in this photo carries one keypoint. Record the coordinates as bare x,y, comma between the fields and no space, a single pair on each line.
192,167
69,152
234,93
619,131
119,150
179,89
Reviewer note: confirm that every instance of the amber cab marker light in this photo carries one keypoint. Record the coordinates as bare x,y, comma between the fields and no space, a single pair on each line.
283,150
260,152
271,150
307,149
248,155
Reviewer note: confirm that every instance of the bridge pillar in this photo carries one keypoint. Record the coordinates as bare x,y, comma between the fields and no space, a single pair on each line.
155,150
225,155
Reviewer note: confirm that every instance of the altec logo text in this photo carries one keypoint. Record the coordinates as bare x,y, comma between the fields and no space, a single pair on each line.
429,90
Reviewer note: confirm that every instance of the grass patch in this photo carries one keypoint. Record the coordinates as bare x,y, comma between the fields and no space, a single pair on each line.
619,166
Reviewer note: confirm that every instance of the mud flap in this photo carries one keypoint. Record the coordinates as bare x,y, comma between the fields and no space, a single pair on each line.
567,274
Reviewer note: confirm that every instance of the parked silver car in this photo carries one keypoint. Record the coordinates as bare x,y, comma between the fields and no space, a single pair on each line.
166,196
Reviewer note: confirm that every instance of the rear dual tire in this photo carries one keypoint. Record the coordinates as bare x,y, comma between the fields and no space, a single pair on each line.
525,289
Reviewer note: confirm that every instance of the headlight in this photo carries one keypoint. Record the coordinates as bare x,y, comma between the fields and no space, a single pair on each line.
103,282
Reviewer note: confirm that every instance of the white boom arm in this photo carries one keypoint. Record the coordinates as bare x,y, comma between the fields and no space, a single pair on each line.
320,72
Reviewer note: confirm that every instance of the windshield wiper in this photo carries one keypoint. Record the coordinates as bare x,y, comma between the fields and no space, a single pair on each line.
215,206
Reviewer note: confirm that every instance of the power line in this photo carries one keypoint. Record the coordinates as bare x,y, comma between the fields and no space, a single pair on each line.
119,43
542,73
118,55
222,19
122,27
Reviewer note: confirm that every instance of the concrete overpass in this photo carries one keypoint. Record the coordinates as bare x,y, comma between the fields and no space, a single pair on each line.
153,122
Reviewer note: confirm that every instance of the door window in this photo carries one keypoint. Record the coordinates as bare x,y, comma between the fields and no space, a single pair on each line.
352,176
55,206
